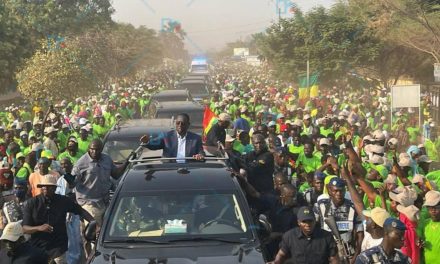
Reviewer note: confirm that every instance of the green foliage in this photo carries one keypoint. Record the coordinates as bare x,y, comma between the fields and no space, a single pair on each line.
64,17
23,23
57,74
14,46
334,42
85,62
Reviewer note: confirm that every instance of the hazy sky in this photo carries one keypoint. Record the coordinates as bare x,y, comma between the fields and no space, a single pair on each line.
209,23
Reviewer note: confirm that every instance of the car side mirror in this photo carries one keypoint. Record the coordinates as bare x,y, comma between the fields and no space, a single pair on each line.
264,227
90,231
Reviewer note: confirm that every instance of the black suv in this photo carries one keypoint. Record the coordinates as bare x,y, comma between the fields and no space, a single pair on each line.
169,212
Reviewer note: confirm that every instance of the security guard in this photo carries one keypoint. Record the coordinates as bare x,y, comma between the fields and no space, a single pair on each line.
347,222
259,165
386,253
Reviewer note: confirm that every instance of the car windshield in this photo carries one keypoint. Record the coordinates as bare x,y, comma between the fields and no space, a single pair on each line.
195,88
200,67
167,215
170,98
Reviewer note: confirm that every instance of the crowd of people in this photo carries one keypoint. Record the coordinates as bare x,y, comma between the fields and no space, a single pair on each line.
337,179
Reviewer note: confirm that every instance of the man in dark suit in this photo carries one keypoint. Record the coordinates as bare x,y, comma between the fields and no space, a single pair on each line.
179,143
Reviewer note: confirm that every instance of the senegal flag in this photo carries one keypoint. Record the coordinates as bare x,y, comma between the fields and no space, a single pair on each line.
312,91
209,119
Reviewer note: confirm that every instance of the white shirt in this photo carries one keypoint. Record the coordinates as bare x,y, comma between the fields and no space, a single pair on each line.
181,146
369,241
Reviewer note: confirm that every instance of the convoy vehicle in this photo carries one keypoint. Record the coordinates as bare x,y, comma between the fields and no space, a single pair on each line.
169,212
172,95
199,89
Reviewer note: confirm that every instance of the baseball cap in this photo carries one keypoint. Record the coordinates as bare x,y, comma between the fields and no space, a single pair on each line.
377,134
404,196
243,109
418,178
298,123
378,215
12,232
412,212
48,180
305,213
376,160
394,223
19,155
272,123
338,182
432,198
393,141
404,160
324,141
224,117
306,116
24,133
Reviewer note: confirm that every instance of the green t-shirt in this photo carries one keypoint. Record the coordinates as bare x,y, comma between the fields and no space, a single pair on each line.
434,176
23,173
66,154
412,132
326,132
309,164
431,237
304,187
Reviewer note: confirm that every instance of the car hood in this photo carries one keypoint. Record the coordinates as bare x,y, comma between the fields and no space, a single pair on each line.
191,254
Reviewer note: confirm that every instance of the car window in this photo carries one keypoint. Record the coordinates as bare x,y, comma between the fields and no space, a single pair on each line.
119,150
168,214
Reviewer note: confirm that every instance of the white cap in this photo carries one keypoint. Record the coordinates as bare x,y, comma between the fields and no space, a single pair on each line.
224,117
49,130
324,141
12,232
377,134
393,141
82,121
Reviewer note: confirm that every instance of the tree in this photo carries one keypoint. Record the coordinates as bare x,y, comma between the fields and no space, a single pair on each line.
122,49
412,23
62,17
333,42
14,46
172,46
23,23
86,61
57,74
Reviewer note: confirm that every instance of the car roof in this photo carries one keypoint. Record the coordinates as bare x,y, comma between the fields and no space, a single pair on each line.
183,105
158,176
175,92
138,127
188,81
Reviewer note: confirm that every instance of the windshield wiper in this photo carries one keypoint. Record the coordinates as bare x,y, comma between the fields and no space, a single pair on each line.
135,241
196,239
